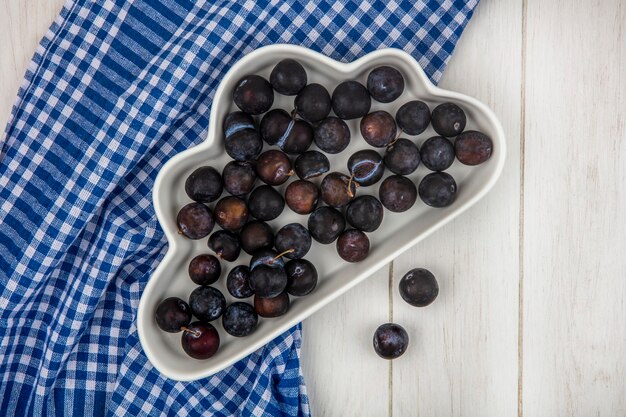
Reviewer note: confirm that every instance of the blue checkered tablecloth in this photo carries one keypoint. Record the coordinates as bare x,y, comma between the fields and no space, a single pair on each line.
115,89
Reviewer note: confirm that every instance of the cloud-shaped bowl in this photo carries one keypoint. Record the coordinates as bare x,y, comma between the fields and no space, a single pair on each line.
398,232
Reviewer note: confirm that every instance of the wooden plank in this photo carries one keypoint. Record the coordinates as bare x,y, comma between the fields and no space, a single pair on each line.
575,209
343,374
462,359
23,25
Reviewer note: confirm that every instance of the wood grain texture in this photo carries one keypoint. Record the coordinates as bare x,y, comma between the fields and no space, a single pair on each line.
462,360
343,374
575,209
23,25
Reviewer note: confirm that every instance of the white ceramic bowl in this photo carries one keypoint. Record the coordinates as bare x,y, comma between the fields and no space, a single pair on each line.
398,232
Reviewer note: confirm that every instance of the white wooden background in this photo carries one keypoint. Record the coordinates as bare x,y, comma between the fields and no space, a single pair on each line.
531,317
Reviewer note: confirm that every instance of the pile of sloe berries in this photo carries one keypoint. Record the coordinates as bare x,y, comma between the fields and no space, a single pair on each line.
277,268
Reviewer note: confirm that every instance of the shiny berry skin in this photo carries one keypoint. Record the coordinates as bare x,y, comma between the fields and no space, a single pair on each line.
267,281
207,303
351,100
243,145
195,221
225,244
273,167
256,235
273,125
438,189
298,139
448,119
302,277
313,103
240,319
365,213
402,157
397,193
204,185
288,77
238,177
326,224
378,129
337,189
200,340
280,129
253,94
385,84
267,257
311,164
419,287
231,213
294,239
353,245
332,135
413,117
272,307
390,341
437,153
473,148
238,282
302,196
205,269
172,314
265,203
366,167
236,121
